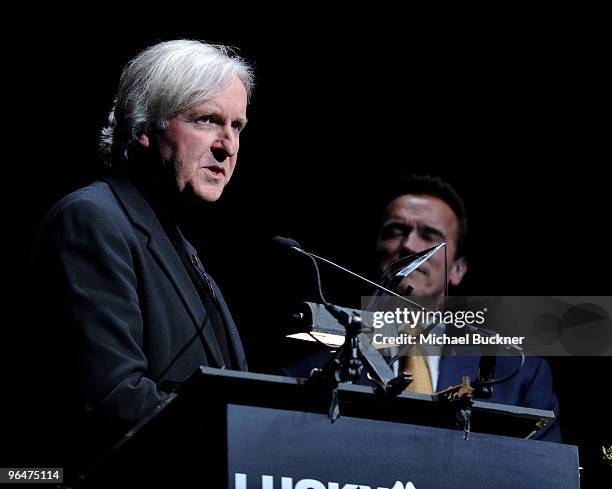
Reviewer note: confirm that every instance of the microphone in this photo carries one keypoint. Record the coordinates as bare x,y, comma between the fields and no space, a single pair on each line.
295,246
288,242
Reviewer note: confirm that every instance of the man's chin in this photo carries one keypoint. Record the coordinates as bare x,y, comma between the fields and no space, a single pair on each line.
203,194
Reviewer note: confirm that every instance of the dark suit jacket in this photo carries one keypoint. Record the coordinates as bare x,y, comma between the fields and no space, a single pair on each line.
117,305
531,387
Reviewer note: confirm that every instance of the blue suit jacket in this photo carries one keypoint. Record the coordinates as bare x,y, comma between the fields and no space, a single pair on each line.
531,387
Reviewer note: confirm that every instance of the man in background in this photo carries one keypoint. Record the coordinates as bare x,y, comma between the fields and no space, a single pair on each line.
422,212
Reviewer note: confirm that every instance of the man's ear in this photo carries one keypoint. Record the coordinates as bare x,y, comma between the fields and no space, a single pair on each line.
457,271
144,140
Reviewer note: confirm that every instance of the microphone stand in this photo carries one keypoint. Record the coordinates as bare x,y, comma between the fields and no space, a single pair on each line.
345,365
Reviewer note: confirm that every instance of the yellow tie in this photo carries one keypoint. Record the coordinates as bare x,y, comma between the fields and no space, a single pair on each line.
416,365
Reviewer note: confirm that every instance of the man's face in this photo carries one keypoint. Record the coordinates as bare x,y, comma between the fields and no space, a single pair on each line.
201,144
413,223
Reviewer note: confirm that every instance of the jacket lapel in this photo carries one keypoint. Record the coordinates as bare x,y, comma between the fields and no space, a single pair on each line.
159,245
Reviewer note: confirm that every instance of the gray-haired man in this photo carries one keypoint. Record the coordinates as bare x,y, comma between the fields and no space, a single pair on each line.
128,308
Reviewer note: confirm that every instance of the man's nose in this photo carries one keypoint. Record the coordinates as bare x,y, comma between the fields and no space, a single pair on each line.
411,244
226,144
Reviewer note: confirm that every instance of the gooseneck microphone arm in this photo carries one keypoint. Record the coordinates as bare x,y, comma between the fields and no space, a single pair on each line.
294,245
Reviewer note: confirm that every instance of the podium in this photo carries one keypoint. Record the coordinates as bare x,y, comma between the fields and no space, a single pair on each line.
243,430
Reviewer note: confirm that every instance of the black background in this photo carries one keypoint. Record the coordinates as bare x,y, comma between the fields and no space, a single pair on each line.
513,114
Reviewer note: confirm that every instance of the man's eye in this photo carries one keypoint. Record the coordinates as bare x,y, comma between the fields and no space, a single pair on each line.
237,126
205,119
392,231
431,235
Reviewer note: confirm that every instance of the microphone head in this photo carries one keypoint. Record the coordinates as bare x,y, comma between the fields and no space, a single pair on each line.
288,242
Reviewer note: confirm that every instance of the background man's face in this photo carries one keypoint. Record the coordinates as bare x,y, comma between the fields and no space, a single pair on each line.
413,223
201,144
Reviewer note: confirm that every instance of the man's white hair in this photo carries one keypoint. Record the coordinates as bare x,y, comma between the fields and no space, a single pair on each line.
162,81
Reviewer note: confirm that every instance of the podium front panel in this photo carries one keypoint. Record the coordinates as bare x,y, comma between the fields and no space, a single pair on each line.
281,449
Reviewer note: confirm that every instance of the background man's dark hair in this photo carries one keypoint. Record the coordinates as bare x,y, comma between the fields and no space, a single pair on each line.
436,187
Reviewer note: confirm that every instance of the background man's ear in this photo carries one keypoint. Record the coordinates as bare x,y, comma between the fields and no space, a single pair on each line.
144,140
457,271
